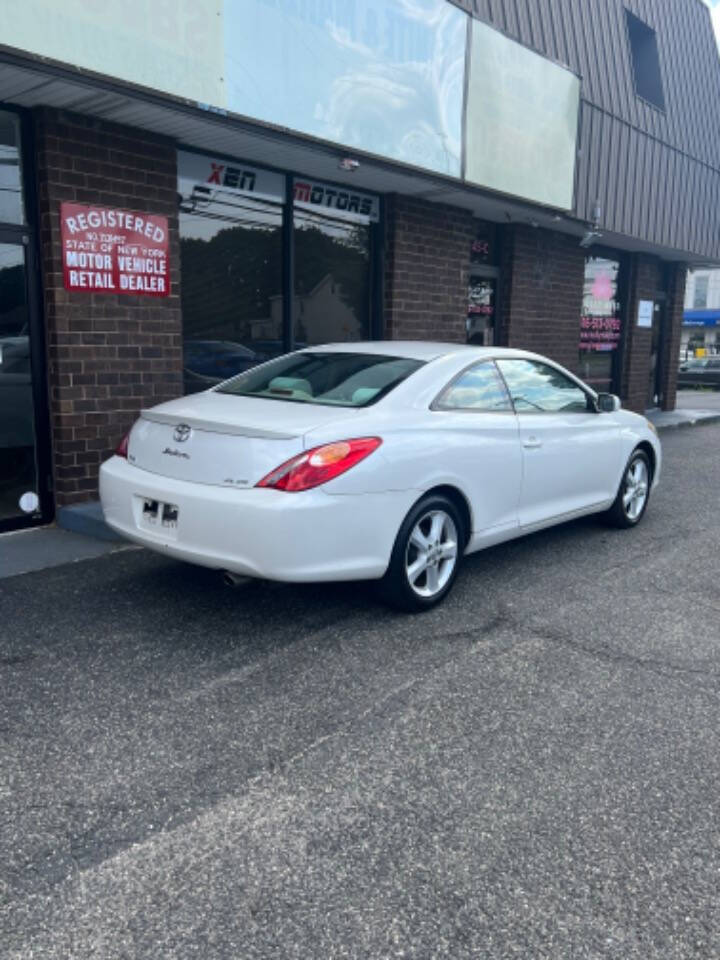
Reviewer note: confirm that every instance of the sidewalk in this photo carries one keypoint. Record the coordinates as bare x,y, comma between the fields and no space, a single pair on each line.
28,550
693,407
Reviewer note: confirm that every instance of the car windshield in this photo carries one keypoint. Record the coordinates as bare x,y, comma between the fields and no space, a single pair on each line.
332,379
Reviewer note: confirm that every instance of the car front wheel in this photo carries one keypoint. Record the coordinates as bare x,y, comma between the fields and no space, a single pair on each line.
426,555
634,492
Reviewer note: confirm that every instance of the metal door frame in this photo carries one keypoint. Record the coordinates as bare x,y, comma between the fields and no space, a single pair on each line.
25,236
663,320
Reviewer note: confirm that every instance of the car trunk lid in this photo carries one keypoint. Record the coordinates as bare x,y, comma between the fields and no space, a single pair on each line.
224,440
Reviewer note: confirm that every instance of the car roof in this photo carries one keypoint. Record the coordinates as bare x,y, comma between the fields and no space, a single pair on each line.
417,349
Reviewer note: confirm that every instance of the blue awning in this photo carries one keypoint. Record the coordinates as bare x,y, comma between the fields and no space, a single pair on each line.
701,318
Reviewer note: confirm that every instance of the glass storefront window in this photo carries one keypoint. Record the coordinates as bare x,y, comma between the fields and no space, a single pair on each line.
234,283
332,278
18,466
11,191
600,323
700,294
231,289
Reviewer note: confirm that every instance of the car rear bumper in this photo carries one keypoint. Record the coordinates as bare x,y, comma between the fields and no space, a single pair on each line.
295,537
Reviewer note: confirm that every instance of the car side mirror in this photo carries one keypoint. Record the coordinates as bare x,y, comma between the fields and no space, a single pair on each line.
608,403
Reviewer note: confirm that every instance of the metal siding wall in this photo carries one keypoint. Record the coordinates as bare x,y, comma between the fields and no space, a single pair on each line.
656,174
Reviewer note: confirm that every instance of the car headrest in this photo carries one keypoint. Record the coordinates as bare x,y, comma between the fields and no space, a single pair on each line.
291,383
363,394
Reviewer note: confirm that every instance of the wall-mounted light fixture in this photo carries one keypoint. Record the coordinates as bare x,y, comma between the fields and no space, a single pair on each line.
349,164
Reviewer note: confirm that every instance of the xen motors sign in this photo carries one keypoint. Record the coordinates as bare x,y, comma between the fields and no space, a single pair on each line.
228,175
350,203
206,182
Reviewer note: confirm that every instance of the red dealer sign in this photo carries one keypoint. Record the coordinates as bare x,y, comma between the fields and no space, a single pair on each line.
106,250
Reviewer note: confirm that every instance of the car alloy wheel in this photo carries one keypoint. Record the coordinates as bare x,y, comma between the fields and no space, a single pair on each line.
431,553
635,489
634,492
426,556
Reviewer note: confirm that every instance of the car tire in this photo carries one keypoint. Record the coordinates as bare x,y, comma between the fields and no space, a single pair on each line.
634,492
426,555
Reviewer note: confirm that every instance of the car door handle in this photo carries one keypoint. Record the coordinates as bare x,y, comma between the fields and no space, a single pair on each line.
532,443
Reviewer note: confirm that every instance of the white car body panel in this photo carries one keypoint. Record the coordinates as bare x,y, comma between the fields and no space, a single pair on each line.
308,537
585,447
231,443
346,528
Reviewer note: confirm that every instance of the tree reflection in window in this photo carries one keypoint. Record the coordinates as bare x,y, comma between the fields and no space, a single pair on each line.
332,279
538,387
231,290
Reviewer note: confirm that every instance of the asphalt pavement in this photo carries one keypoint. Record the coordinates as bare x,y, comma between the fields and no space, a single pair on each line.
530,771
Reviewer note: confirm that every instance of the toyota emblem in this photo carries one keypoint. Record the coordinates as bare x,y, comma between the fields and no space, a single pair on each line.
181,433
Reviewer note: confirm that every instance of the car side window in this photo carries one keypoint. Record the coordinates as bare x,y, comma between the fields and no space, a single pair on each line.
479,388
537,387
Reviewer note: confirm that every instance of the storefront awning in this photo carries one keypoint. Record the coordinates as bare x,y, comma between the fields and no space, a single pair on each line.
701,318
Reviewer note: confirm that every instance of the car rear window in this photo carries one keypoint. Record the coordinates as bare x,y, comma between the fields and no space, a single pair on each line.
331,379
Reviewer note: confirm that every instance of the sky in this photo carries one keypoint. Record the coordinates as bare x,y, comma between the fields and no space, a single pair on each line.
715,7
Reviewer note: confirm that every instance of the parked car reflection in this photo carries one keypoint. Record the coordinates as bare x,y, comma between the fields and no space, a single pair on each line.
14,355
700,372
209,362
16,403
17,431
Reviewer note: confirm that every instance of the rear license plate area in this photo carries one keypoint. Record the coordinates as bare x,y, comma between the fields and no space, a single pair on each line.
158,515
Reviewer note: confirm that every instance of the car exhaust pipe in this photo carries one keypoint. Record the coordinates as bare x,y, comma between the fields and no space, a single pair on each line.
231,579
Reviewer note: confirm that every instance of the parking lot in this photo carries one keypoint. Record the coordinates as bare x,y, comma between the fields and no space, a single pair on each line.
531,770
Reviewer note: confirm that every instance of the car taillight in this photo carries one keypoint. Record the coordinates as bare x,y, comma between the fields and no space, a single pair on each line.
122,448
316,466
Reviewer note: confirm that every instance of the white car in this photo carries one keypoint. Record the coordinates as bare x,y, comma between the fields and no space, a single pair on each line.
387,460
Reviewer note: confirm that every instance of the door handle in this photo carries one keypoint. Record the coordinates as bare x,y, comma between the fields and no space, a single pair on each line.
532,443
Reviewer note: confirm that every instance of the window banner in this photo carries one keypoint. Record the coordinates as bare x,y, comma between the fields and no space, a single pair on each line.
203,179
107,250
342,202
600,322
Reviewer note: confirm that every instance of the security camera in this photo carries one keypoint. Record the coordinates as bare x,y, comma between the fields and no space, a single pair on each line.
589,238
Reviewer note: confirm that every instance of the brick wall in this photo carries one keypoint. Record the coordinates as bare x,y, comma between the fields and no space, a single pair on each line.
540,294
676,276
108,355
650,279
645,282
541,291
426,270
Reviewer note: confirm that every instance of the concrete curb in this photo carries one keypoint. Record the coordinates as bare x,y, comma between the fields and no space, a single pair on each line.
86,518
690,422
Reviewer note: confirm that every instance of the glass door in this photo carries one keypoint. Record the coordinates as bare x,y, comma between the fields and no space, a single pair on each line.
601,323
480,322
25,467
659,332
21,498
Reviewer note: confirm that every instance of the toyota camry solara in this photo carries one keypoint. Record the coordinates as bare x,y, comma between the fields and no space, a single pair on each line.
387,460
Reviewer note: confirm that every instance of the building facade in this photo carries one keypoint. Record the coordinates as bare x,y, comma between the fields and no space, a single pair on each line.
189,189
701,318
